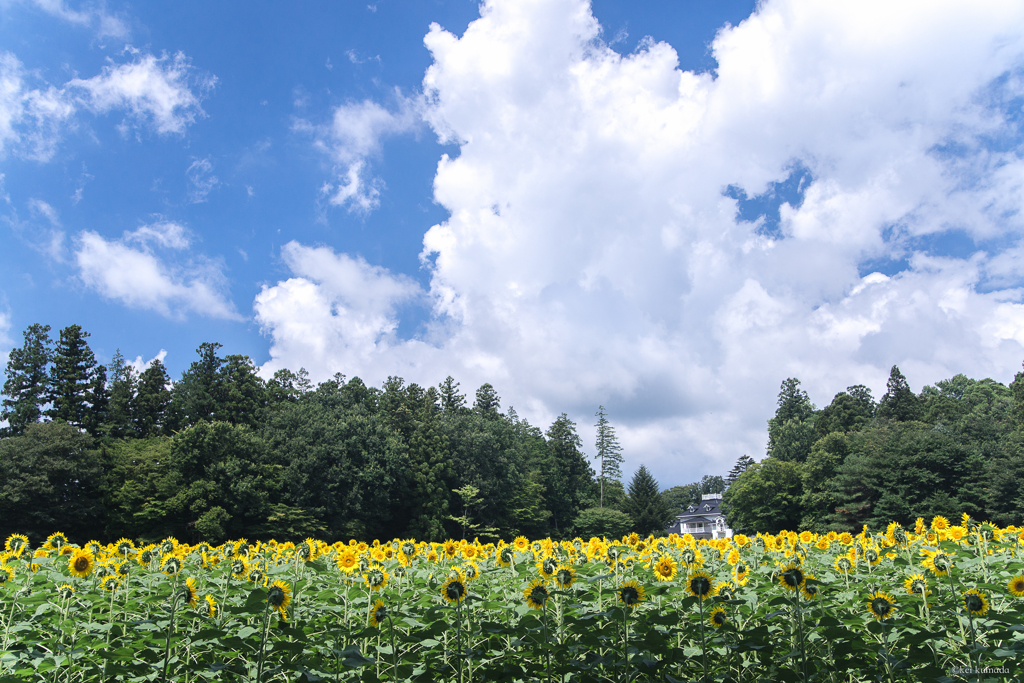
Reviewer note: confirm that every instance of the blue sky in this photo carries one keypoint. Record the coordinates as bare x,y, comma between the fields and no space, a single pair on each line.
666,208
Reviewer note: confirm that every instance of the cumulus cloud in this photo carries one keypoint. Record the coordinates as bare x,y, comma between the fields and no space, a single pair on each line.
139,278
594,252
336,313
163,93
350,140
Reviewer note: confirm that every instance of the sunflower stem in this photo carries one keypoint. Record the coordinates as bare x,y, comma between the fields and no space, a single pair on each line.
625,643
703,640
167,634
263,642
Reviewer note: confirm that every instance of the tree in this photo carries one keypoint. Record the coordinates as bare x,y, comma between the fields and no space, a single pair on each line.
602,522
766,497
791,431
568,477
242,392
50,479
27,385
850,410
820,498
452,402
680,498
739,468
199,393
120,411
609,453
152,400
72,378
487,401
899,403
644,504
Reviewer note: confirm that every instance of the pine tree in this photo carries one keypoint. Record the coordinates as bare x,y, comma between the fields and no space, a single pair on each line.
199,394
899,403
123,385
71,377
487,401
568,475
609,453
27,385
739,468
99,401
645,505
452,402
151,400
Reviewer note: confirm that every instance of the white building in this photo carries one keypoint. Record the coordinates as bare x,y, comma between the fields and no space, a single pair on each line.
705,520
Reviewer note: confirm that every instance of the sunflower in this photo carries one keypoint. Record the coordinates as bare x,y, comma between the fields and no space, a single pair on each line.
939,523
916,584
665,569
699,584
881,605
188,592
145,556
823,543
536,594
454,589
450,548
846,538
809,590
471,570
717,617
547,567
726,589
378,613
6,574
806,537
56,540
346,561
632,593
239,568
110,583
279,595
975,602
125,548
741,574
170,564
66,591
1016,586
81,563
16,542
937,561
565,575
470,551
957,533
506,556
376,578
211,606
791,577
843,564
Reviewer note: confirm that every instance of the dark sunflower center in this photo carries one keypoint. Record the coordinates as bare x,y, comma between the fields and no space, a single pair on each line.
81,564
793,578
276,596
973,603
881,607
381,613
539,594
700,585
719,618
629,595
565,577
455,590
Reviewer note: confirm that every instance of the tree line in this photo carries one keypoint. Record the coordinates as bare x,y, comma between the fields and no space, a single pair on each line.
956,447
222,453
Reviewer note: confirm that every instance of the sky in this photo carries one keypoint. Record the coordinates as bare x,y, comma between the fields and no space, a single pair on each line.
663,208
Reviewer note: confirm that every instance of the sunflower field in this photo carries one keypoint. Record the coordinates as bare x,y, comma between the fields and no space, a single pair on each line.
937,602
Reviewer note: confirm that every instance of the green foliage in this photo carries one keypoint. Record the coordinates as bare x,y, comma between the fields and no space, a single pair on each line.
766,497
850,410
644,504
27,385
791,431
76,385
50,478
899,403
609,454
680,498
602,522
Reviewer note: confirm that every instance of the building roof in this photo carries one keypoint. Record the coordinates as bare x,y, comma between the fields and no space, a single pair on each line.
710,505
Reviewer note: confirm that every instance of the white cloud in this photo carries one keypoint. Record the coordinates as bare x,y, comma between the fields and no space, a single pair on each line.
150,88
350,140
162,91
201,180
337,312
139,279
91,15
141,366
591,258
166,234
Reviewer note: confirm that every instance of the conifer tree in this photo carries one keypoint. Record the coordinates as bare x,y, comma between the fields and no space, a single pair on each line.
27,385
645,505
72,382
609,453
487,401
123,385
739,468
452,402
151,400
899,403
